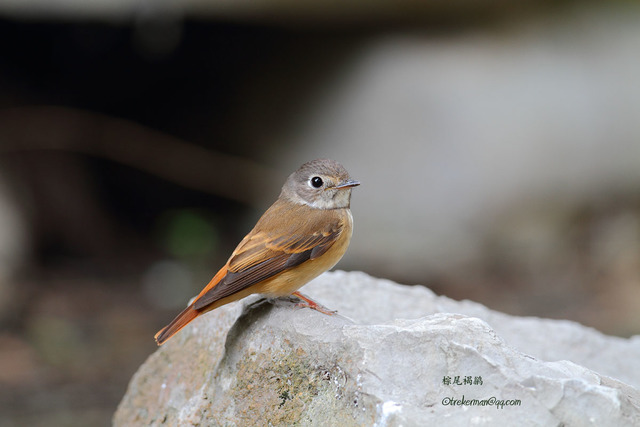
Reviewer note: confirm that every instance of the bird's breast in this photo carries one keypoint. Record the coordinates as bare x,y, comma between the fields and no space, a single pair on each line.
291,280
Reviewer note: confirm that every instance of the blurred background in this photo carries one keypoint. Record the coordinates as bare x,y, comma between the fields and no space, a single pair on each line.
498,146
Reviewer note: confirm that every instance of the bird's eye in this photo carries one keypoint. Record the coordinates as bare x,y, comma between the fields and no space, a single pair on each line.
316,182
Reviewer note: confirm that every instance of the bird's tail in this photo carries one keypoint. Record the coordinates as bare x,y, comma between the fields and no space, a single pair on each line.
189,313
181,320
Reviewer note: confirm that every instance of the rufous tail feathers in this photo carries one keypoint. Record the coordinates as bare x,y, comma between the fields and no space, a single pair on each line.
189,313
181,320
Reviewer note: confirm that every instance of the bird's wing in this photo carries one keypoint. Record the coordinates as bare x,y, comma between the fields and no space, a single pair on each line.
262,255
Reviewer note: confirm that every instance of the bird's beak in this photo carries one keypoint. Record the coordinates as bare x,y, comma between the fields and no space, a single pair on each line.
347,184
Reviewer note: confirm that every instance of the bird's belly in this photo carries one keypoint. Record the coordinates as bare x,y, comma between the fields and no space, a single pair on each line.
291,280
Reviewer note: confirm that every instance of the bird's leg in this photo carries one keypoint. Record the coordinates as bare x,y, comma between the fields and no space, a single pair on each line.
308,302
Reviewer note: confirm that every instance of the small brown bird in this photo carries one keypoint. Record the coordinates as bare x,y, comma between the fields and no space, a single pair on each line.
303,234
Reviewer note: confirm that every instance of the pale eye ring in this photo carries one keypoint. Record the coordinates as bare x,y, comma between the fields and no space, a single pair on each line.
316,182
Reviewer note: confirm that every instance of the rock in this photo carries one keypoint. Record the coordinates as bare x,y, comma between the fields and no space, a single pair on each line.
393,355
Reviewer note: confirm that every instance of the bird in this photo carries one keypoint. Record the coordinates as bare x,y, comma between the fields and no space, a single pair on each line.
304,233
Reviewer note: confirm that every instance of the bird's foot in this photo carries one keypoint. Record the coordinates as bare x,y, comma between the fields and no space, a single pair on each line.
308,302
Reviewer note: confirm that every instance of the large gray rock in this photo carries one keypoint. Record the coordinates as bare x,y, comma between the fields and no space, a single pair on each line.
393,355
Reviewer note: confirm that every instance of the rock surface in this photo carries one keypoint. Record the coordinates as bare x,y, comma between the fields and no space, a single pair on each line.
393,355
